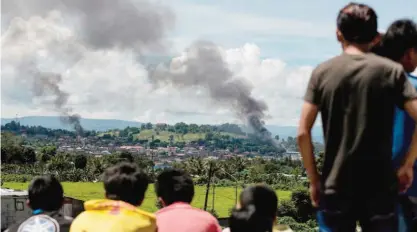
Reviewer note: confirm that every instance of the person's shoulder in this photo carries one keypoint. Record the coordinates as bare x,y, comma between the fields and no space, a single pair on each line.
327,64
383,62
146,214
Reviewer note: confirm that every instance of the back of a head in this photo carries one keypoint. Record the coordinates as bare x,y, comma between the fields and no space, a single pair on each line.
125,182
262,197
357,23
45,193
174,185
399,38
247,219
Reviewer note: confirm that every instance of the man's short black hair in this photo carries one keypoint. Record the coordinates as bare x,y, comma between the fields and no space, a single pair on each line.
257,212
125,182
45,193
400,37
174,185
262,197
357,23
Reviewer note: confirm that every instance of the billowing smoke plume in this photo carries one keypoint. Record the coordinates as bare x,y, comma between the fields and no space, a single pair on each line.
98,24
204,66
138,24
48,84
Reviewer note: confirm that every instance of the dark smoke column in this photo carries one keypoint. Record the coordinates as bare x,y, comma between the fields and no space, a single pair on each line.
205,67
48,84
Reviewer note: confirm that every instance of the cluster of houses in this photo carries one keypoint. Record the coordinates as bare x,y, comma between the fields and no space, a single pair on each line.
98,147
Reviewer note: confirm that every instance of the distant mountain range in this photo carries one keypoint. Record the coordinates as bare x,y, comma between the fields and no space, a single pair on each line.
54,122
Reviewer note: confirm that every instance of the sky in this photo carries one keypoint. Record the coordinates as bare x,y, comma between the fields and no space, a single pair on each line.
273,46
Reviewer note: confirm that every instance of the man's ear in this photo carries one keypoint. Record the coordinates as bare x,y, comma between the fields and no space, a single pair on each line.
339,36
407,60
28,203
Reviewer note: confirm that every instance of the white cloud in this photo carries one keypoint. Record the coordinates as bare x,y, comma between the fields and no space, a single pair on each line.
111,84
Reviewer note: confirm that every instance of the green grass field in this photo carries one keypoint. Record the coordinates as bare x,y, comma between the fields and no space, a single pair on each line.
223,202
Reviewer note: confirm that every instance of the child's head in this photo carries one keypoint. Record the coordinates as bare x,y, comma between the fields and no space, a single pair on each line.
45,193
174,185
257,210
125,182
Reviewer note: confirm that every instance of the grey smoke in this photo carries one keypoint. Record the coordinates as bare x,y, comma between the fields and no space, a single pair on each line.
205,67
48,84
101,24
139,25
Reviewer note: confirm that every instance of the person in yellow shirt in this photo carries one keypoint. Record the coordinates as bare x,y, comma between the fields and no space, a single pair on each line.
125,186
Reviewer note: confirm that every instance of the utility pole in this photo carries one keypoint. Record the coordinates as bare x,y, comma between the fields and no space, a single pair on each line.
210,173
236,193
214,196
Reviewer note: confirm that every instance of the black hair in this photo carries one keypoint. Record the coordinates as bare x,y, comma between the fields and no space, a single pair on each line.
246,219
174,185
262,197
258,210
125,182
357,23
400,37
45,193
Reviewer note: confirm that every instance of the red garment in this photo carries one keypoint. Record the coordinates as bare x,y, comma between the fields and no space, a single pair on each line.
182,217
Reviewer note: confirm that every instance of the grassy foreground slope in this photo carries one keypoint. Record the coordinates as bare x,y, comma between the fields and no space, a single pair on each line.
223,202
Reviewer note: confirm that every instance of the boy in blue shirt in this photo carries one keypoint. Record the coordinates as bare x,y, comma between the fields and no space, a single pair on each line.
400,44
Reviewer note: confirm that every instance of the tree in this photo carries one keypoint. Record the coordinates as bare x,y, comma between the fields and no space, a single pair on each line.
80,161
148,126
320,161
29,155
171,139
49,150
302,203
277,137
4,155
127,156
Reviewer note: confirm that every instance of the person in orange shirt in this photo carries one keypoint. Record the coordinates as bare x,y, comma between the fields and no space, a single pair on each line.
125,186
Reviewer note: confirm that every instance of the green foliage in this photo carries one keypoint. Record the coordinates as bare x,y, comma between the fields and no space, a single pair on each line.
29,155
286,208
21,178
80,161
48,150
126,156
294,225
302,202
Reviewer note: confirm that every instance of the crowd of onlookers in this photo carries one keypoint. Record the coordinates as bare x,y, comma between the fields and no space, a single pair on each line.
125,187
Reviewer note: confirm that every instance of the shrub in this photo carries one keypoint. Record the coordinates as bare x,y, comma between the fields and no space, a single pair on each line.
16,178
302,203
287,209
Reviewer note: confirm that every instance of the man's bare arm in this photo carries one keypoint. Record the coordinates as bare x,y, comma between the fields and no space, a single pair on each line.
411,108
308,117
